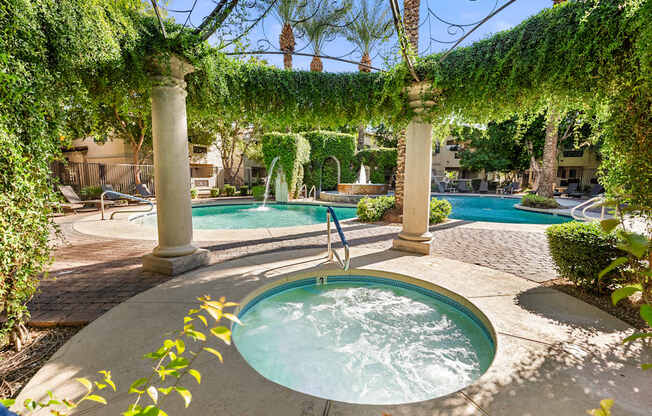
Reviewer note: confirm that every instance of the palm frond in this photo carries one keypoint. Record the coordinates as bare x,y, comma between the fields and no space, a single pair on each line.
370,24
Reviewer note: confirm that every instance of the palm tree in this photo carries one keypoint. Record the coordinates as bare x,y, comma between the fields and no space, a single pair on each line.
369,25
411,21
288,12
322,22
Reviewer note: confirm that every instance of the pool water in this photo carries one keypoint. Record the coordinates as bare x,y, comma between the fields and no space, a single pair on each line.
496,209
359,340
233,217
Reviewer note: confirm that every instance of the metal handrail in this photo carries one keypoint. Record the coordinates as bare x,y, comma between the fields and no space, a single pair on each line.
312,191
151,205
304,186
588,204
332,253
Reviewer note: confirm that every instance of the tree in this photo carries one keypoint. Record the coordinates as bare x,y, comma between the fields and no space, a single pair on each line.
234,140
321,23
411,21
495,149
369,25
288,12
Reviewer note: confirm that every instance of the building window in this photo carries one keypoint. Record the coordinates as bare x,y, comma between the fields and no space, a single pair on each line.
437,147
199,149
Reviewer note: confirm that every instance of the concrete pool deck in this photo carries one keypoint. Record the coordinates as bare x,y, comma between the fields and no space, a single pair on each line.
556,355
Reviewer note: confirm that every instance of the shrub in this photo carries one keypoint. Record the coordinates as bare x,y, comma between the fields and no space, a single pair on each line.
91,192
258,192
194,193
440,209
373,209
244,190
536,201
215,192
229,190
581,250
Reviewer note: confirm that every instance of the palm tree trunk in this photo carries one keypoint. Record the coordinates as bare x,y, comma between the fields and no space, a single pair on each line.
411,20
316,64
549,171
287,43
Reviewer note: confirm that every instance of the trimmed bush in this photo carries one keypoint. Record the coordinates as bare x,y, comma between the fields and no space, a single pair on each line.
244,190
215,192
440,209
581,251
258,192
229,190
536,201
373,209
194,193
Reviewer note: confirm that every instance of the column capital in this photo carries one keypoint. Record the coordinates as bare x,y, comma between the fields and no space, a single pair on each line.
169,66
421,96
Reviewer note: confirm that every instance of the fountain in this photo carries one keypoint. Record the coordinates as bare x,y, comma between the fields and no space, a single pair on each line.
362,186
269,177
353,192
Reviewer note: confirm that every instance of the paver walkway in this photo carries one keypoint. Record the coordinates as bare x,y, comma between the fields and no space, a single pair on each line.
91,275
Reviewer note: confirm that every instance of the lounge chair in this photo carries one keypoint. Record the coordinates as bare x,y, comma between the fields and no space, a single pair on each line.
110,196
442,187
572,190
505,189
73,199
596,190
143,190
484,187
516,187
461,186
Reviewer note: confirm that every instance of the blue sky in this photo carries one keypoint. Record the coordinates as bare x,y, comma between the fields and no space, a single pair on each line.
457,11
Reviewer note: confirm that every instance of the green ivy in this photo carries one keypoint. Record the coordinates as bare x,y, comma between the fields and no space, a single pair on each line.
293,150
381,162
322,145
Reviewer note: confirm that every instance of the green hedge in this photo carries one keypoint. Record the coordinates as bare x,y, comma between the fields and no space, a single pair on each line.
373,209
440,209
258,192
581,251
244,190
215,192
293,151
229,190
324,144
381,162
537,201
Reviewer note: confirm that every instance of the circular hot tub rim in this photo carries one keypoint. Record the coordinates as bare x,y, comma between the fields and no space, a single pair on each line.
375,276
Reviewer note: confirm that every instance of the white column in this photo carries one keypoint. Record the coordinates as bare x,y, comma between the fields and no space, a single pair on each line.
171,163
415,236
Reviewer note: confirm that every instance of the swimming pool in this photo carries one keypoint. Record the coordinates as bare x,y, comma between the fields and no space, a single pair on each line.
496,209
244,216
363,339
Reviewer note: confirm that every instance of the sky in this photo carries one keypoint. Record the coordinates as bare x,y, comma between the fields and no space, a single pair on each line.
457,11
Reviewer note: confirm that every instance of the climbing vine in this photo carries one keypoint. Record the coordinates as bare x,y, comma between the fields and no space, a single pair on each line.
322,145
292,150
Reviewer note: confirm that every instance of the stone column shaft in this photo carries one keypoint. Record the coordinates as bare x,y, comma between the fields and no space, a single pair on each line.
171,163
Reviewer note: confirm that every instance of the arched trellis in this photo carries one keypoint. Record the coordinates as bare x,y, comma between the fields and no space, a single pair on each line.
339,169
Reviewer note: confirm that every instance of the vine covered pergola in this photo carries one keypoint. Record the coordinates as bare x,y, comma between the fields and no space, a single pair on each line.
57,58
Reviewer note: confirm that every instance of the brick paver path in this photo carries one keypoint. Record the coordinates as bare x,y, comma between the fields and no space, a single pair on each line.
91,275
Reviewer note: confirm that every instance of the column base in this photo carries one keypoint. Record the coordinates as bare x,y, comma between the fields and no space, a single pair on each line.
173,266
176,251
411,246
427,236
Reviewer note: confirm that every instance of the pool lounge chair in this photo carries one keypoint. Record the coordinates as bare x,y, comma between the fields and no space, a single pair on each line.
484,187
505,189
73,199
109,188
143,191
596,190
461,187
442,187
572,190
516,187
